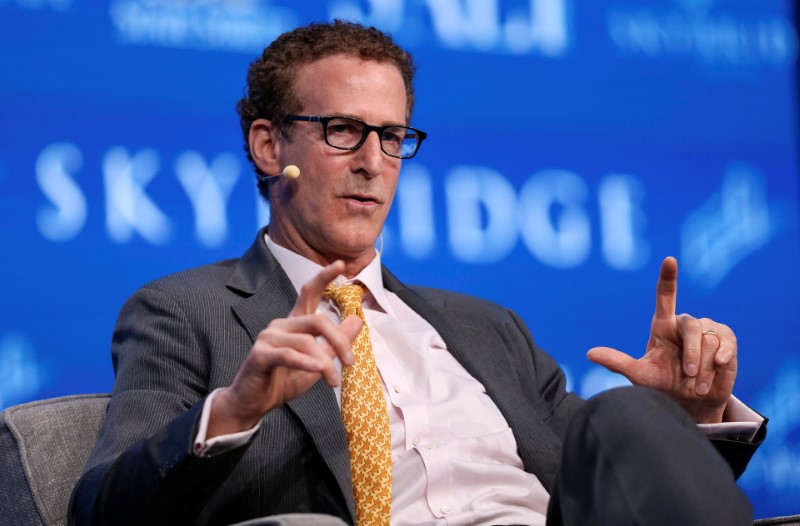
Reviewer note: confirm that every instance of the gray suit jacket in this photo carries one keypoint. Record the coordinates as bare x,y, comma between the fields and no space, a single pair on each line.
182,336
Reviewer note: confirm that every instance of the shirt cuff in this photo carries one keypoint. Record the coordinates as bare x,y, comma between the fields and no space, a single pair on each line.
741,425
222,443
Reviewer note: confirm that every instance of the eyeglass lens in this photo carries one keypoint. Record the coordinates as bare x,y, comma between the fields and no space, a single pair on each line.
399,141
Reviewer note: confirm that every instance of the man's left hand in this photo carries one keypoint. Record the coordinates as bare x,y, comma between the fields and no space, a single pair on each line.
692,360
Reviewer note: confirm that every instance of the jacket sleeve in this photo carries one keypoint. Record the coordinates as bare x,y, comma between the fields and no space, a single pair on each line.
142,469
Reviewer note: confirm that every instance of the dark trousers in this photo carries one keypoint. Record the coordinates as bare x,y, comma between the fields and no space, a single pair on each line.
632,456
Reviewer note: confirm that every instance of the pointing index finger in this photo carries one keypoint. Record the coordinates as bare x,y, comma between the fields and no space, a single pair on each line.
311,293
667,289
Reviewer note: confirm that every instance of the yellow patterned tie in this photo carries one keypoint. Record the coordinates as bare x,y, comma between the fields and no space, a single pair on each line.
366,419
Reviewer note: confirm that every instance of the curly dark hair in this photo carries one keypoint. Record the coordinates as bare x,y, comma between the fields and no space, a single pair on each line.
270,80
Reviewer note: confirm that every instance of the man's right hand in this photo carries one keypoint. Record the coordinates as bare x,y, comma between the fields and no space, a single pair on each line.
286,360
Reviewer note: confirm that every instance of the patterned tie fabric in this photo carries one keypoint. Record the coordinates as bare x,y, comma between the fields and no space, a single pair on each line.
365,417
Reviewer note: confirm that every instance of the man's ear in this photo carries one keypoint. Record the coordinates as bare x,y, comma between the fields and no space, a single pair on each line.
264,146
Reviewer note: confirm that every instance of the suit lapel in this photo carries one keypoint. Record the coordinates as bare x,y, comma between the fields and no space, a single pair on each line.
270,295
480,347
466,340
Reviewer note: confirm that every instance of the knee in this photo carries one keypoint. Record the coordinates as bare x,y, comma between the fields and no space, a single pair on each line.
634,401
632,412
634,452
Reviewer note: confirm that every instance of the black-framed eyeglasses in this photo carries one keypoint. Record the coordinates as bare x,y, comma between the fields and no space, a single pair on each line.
347,133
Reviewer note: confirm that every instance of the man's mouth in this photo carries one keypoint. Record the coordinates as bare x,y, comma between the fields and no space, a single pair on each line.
364,198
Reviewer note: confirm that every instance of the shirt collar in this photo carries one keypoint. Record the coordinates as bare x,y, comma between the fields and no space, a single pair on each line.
300,270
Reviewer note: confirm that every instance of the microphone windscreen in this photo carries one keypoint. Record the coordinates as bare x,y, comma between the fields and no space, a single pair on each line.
291,171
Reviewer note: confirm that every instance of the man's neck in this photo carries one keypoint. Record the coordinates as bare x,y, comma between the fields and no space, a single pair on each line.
299,269
353,264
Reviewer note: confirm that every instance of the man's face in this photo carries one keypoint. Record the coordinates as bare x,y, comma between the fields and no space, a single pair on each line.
337,207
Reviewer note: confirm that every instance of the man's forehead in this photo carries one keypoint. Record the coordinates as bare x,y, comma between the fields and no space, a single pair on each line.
337,82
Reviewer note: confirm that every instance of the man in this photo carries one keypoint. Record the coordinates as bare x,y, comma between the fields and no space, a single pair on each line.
230,377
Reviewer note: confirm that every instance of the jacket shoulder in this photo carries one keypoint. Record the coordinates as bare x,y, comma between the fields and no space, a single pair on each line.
194,283
212,272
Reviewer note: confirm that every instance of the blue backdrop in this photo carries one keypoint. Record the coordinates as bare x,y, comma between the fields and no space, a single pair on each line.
571,147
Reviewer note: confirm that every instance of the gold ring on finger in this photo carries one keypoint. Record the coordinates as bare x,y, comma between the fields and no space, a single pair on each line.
715,335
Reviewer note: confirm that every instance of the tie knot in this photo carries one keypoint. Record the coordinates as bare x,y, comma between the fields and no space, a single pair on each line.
347,297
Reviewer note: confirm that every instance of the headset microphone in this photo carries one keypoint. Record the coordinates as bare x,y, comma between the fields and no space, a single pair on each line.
290,172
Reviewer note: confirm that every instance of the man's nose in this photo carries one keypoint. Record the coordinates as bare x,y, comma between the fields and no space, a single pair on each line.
371,155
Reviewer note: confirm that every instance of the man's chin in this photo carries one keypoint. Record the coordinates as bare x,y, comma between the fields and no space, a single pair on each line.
362,248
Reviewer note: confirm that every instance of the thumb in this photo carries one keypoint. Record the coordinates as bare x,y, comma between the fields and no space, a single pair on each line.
613,360
351,326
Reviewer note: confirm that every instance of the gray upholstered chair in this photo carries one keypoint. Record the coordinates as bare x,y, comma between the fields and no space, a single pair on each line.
790,520
44,444
43,447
